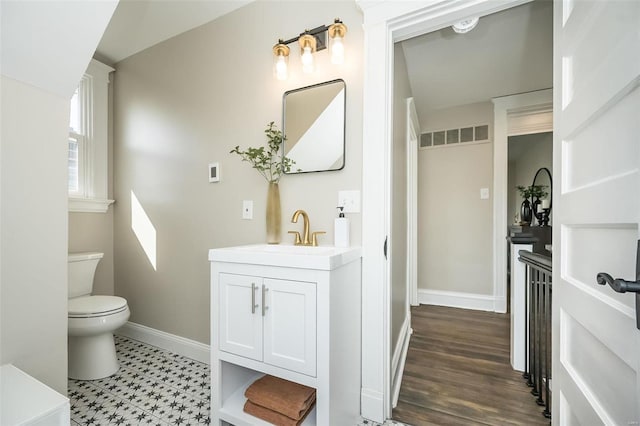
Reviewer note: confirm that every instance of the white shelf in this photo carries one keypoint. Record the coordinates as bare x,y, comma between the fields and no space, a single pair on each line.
232,410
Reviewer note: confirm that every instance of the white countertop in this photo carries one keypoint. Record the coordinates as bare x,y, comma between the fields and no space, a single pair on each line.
322,257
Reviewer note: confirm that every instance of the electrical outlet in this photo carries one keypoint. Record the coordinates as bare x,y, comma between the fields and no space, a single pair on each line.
350,200
484,193
247,209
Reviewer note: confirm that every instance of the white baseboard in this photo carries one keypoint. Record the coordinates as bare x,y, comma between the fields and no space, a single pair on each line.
453,299
399,358
176,344
500,304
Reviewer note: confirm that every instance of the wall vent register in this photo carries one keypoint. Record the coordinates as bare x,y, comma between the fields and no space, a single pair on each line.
454,136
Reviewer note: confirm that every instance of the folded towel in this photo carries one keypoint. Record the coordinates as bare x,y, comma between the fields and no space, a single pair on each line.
282,396
273,417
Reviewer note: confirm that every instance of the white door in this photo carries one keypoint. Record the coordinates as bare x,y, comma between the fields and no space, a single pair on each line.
241,315
290,325
596,345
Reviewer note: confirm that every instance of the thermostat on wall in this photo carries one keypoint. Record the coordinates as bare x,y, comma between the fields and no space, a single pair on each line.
214,172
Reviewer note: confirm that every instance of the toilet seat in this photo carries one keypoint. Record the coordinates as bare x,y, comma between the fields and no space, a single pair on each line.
96,306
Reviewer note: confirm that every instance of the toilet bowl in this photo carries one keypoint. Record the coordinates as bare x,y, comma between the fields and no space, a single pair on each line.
92,321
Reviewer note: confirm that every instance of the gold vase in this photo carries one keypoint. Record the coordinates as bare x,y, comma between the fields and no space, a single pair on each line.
273,214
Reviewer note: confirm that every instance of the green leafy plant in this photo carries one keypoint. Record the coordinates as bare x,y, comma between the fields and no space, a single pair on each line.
535,191
268,161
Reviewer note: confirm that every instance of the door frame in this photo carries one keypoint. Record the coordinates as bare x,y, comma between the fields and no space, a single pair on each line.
385,23
413,127
521,114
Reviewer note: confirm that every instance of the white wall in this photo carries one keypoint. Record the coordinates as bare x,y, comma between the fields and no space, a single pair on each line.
454,224
34,232
36,88
187,102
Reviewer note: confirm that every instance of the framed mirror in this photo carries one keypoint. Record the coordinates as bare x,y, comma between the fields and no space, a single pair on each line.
313,123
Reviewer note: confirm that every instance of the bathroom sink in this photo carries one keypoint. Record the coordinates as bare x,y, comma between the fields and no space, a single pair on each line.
322,257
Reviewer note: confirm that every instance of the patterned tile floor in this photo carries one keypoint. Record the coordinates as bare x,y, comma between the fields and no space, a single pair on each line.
152,387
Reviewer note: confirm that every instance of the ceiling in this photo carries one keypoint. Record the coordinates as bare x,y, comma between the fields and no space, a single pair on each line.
139,24
508,52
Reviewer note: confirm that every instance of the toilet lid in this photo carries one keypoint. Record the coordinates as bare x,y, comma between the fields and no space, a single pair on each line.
96,305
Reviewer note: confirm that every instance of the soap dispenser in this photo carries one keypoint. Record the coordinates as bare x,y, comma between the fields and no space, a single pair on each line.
341,230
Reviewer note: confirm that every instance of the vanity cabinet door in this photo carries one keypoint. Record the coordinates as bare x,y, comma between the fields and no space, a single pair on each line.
290,325
240,324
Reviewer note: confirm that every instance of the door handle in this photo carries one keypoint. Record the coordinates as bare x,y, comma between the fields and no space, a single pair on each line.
618,285
623,286
384,249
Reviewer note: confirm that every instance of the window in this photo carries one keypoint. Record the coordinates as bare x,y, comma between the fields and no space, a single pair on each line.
79,112
87,142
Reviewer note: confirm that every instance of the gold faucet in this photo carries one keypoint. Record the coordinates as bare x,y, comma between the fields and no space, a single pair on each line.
304,241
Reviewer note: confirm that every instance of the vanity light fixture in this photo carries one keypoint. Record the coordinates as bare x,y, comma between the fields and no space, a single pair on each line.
465,26
310,42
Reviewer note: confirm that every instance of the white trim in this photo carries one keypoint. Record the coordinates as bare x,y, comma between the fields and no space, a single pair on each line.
372,402
529,111
413,128
400,357
527,122
387,22
176,344
454,299
93,186
88,205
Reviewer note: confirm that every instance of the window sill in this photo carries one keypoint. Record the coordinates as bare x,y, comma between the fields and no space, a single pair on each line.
89,205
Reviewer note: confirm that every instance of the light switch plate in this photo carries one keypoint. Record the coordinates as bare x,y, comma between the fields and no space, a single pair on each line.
247,209
350,200
484,193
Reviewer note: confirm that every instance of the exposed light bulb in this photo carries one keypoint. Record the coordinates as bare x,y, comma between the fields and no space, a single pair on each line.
337,51
307,60
281,68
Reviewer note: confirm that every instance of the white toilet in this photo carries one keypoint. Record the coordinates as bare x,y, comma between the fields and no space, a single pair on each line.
92,321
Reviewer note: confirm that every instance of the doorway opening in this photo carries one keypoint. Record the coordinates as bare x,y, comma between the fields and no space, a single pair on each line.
453,81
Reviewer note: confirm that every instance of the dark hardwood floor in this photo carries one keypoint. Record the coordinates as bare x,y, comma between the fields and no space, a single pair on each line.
458,373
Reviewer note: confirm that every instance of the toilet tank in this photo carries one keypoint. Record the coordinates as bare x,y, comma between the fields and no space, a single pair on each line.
81,269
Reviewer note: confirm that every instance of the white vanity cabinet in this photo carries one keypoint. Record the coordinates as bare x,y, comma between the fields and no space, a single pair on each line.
269,320
291,312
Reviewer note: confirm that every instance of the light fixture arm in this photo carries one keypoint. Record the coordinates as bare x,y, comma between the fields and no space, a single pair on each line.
311,41
319,33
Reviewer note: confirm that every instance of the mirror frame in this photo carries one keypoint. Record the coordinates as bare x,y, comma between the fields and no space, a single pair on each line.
544,169
344,123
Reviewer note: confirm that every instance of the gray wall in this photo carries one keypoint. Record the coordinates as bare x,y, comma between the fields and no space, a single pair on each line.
401,91
454,224
527,153
187,102
94,232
